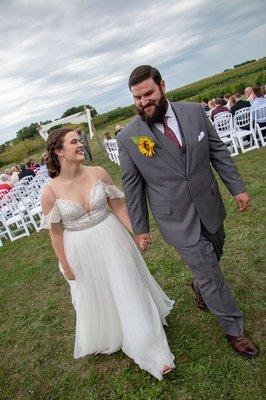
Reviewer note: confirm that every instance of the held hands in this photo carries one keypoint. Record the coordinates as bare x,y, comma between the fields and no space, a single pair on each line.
143,240
68,274
242,201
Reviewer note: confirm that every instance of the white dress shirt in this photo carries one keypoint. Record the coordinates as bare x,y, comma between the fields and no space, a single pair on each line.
259,101
171,122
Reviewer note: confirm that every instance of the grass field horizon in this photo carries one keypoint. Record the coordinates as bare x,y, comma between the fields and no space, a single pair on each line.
38,320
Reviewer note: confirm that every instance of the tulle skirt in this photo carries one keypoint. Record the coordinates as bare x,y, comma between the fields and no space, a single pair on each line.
118,303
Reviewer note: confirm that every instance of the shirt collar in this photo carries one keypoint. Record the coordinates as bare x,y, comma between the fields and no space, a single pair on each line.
169,113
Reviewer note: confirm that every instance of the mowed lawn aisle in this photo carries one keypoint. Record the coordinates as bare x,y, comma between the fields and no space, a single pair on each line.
38,325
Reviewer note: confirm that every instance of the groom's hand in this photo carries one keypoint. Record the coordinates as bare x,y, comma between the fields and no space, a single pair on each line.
242,200
142,240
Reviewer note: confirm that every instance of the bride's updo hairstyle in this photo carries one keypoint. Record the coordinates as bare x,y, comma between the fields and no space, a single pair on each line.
55,142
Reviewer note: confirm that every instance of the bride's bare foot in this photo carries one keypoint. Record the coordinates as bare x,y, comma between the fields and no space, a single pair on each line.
167,369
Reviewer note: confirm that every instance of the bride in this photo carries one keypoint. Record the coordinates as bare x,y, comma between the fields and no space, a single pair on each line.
118,303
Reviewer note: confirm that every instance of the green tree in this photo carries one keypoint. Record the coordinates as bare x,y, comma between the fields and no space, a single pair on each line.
3,147
28,132
74,110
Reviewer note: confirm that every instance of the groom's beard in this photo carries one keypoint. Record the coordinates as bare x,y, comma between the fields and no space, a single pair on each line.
160,108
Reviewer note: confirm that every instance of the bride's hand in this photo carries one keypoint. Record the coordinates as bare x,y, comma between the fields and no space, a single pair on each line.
142,240
143,244
68,274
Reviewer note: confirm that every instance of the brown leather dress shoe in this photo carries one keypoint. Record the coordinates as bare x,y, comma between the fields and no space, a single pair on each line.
243,345
199,300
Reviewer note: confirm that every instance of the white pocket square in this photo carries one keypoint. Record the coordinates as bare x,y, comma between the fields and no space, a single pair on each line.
201,136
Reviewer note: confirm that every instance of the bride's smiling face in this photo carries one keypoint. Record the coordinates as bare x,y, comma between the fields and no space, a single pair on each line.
73,148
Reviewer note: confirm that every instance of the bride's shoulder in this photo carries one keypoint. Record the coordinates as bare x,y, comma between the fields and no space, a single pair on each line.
103,175
48,198
96,171
99,174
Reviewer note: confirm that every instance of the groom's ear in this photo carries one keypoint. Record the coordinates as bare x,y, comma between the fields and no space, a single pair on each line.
162,86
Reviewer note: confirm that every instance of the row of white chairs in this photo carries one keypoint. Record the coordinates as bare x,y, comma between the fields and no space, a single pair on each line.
20,208
241,131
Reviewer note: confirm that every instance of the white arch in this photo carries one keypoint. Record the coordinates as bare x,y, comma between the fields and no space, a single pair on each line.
78,118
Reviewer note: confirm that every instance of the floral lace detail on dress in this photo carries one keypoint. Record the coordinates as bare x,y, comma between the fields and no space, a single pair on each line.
53,217
113,192
74,217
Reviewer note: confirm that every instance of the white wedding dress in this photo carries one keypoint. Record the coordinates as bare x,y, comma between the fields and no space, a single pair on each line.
118,303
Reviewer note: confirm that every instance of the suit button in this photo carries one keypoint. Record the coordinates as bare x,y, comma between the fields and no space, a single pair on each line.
195,200
188,178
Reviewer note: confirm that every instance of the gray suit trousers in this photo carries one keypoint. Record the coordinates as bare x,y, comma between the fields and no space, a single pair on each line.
202,258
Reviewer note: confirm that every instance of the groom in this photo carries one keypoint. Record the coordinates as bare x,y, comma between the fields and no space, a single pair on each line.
167,154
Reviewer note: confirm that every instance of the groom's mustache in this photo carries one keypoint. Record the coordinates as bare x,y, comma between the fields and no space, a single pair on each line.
151,103
156,116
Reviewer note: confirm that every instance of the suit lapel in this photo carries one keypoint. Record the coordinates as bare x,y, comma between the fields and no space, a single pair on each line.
183,121
164,148
168,146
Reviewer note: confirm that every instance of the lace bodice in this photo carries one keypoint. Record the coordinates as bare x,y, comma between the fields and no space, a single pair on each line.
74,217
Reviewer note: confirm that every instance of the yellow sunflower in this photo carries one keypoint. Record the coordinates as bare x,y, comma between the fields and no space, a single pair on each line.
145,145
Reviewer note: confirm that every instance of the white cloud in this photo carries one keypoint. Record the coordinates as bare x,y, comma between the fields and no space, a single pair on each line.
58,54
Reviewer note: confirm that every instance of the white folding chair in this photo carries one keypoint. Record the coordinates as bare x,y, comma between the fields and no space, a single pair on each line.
12,218
26,180
246,137
209,113
3,192
42,177
223,124
3,231
112,150
260,116
28,202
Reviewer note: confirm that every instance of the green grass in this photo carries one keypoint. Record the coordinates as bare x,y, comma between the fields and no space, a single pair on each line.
37,318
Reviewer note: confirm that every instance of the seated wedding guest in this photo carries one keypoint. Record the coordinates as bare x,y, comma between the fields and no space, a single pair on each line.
107,137
239,104
211,104
14,177
43,166
259,101
31,164
4,183
249,95
232,102
8,173
205,105
218,108
25,172
263,88
226,99
118,128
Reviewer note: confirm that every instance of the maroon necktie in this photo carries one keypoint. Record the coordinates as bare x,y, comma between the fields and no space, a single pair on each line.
169,133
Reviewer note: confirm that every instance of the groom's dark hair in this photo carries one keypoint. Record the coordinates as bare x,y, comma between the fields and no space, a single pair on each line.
142,73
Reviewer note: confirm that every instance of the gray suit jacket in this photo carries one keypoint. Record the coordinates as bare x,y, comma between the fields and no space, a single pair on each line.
180,186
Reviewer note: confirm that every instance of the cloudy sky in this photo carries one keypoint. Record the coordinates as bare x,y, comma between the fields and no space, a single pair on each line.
56,54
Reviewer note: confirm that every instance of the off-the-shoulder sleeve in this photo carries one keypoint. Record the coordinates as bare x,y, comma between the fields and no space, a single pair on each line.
53,217
113,192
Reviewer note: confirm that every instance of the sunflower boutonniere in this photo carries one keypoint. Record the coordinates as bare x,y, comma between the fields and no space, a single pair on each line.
146,145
